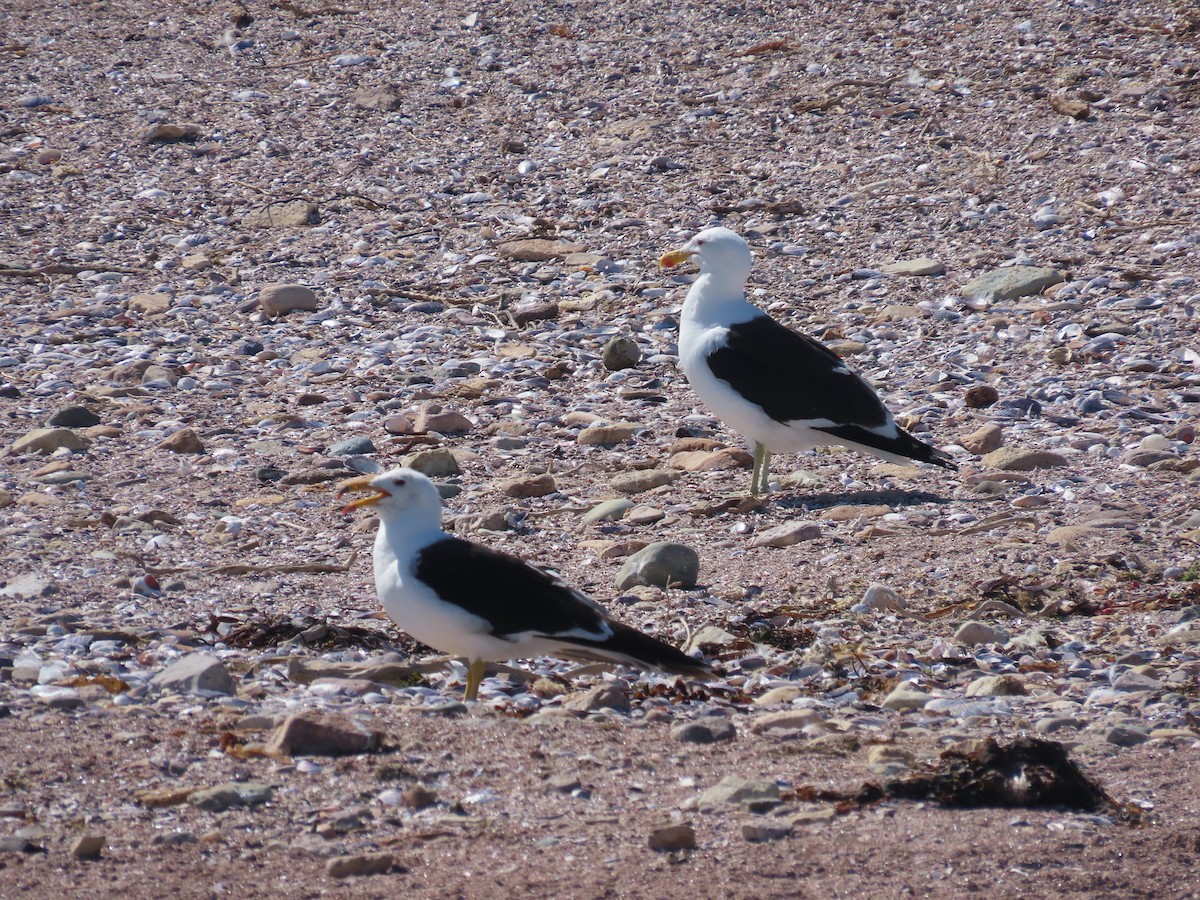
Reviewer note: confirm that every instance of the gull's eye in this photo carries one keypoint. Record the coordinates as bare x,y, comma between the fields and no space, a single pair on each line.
399,482
702,243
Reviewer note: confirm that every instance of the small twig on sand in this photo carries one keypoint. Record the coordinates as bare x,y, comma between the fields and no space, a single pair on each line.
249,568
67,269
422,297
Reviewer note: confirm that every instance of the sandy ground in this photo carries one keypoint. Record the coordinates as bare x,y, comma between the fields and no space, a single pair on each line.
139,146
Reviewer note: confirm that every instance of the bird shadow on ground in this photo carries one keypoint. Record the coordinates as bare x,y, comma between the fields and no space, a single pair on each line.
259,630
858,498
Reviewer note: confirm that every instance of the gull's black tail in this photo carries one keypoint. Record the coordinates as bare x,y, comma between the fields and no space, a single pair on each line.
901,444
628,645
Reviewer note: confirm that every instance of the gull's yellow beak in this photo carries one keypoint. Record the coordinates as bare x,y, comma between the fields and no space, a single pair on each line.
675,257
361,484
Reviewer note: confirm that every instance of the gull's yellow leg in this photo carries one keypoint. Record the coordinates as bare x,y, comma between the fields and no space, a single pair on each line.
474,677
760,473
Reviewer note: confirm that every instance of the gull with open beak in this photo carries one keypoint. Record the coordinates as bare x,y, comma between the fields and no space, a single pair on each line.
467,600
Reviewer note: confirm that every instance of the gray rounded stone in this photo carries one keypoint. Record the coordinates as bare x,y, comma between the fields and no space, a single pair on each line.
234,793
1013,282
609,510
196,672
1126,736
921,266
906,696
642,480
352,446
662,564
1057,723
709,730
73,417
974,633
752,794
787,534
1134,682
621,352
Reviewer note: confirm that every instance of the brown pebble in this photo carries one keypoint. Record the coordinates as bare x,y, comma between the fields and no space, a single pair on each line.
984,440
434,418
706,461
1017,459
418,797
981,395
366,864
1076,109
281,299
160,798
48,157
673,837
537,249
185,440
534,312
320,734
398,424
689,444
528,486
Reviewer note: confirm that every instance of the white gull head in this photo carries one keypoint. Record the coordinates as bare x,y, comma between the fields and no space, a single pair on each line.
398,494
722,254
